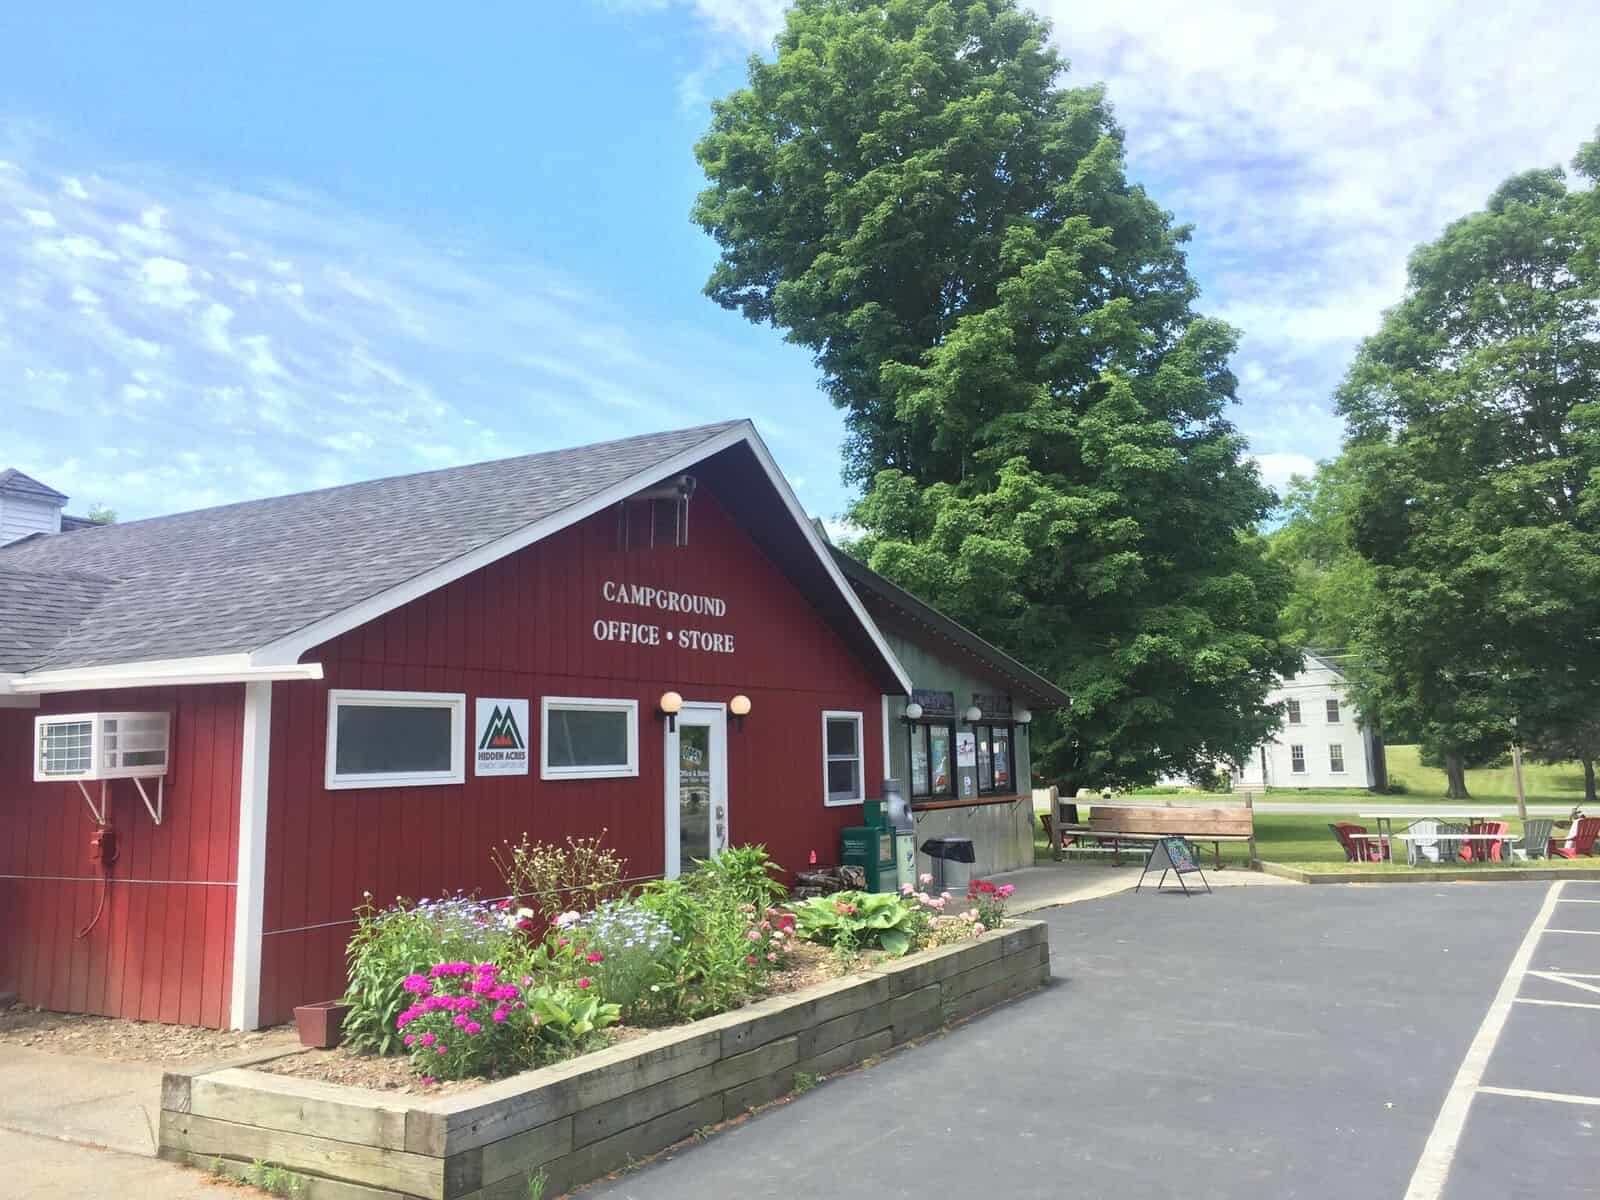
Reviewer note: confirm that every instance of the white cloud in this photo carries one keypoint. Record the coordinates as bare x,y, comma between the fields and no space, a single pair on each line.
73,187
39,218
1277,468
165,272
1312,145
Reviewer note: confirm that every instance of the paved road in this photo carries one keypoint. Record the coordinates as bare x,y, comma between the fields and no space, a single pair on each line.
1287,1042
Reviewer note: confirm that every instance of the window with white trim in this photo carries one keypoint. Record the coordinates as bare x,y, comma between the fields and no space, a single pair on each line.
842,766
1336,758
395,739
1297,759
584,738
1292,710
1333,711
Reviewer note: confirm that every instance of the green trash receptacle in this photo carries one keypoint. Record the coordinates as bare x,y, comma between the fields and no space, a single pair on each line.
871,847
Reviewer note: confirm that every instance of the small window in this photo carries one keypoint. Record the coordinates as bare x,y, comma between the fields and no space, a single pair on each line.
842,769
395,739
1336,758
932,766
994,757
1333,712
1297,759
1292,708
589,739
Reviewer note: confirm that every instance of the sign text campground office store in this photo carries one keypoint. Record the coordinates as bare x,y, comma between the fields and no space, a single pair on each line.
644,634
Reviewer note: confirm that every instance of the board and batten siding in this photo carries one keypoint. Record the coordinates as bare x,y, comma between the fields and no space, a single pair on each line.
523,627
162,949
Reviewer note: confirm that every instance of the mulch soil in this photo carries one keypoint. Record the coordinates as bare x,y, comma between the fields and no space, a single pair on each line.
118,1040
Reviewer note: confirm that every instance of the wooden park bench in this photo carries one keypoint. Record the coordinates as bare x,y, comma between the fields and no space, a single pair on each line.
1139,825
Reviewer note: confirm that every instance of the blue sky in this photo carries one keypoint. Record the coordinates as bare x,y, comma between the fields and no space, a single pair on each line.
247,254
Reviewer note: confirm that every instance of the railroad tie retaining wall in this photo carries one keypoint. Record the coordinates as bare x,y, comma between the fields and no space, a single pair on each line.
580,1119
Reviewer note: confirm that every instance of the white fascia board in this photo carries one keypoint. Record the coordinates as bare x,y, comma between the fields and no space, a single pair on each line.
825,556
249,905
289,649
168,672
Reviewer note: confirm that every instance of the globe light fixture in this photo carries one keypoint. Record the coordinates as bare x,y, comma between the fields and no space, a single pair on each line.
739,706
973,715
668,708
913,711
1024,716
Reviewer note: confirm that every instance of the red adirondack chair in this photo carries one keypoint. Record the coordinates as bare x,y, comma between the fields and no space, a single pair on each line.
1362,850
1484,851
1578,840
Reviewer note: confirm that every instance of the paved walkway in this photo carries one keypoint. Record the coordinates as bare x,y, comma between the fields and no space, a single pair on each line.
38,1168
1069,882
112,1104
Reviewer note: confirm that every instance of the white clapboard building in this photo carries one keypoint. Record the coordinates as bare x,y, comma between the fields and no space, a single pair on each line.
1321,742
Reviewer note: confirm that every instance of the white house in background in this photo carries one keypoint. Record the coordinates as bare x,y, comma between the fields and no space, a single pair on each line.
1322,742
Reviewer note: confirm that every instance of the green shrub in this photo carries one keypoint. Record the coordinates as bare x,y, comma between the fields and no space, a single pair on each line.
708,968
742,873
393,943
860,921
626,947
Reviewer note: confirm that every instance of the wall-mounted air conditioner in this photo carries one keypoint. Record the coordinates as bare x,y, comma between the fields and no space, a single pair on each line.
79,747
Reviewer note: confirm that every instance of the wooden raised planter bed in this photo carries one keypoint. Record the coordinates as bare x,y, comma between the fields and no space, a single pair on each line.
580,1119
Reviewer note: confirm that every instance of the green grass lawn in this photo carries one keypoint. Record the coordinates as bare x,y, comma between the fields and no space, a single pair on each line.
1299,841
1558,784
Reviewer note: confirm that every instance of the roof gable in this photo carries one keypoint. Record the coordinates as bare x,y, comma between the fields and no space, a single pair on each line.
14,483
270,579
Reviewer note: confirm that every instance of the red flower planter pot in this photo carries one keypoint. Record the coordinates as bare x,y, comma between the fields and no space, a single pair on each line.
321,1026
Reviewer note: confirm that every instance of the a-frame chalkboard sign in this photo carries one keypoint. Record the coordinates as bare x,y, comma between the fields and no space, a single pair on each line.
1176,855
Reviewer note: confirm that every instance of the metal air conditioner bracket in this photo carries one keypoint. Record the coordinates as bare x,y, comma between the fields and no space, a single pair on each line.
159,807
99,814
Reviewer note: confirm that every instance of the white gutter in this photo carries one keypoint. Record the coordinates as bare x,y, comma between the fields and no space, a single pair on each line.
168,672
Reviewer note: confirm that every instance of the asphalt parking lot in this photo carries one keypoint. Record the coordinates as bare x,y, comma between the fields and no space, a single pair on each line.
1416,1042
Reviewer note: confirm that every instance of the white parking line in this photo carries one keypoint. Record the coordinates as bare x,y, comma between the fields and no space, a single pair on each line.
1572,981
1558,1097
1556,1003
1583,932
1427,1181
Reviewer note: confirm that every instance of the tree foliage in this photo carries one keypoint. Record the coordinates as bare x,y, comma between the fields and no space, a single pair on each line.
1331,583
1035,410
1474,426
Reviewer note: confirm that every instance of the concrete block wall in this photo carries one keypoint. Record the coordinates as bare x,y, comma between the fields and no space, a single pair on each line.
580,1119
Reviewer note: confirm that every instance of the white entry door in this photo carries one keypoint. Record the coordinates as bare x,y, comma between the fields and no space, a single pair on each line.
697,786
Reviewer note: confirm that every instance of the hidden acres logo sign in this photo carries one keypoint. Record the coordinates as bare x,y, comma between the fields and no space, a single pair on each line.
500,738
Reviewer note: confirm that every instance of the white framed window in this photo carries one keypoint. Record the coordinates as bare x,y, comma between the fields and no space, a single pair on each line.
1297,759
843,767
1336,758
1333,711
395,739
1292,711
586,738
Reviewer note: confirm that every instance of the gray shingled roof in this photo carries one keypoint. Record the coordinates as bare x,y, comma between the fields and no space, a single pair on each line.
18,484
236,578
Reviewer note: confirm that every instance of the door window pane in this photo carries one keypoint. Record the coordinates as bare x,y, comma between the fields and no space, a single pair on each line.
694,794
985,761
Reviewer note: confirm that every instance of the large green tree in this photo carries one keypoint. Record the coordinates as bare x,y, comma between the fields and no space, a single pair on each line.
1332,583
1474,415
1035,410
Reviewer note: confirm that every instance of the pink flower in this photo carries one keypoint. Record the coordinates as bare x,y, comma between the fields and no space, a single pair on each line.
924,880
409,1038
906,889
562,943
771,956
751,959
427,1081
1005,889
754,935
527,981
461,1021
500,1014
474,1027
978,928
594,956
427,1039
585,982
441,1048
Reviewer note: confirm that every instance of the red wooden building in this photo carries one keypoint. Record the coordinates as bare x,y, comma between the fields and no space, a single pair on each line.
276,706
